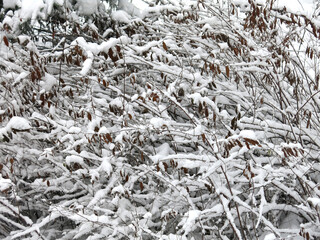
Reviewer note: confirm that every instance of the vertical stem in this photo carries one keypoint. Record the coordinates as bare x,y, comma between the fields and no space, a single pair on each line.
237,209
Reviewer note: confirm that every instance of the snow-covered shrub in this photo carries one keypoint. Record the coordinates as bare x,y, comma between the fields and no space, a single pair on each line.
185,121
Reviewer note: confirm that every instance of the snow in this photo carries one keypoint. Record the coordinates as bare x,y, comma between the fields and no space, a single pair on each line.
129,8
49,82
74,159
315,201
5,184
119,189
86,66
120,16
270,236
191,159
95,48
32,9
158,122
140,4
248,134
304,7
10,3
88,7
106,166
20,77
103,130
74,130
190,220
50,4
147,215
18,123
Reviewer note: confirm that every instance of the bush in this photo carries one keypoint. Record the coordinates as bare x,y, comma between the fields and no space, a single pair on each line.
184,121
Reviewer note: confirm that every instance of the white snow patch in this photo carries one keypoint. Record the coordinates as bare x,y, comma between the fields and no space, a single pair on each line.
88,7
74,130
248,134
50,4
106,166
190,220
164,150
10,3
315,201
86,67
74,159
147,215
5,183
32,9
103,130
120,16
129,8
270,236
49,82
119,189
20,77
158,122
18,123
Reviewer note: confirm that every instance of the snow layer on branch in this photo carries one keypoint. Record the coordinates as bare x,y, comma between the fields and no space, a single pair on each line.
50,4
305,7
106,166
17,123
95,48
88,7
190,220
270,236
86,67
5,184
315,201
49,82
32,9
120,16
129,8
74,159
10,3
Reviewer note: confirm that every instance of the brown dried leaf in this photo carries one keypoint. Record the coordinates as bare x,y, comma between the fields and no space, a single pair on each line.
164,46
89,116
108,136
251,141
228,71
6,42
141,186
165,166
203,137
206,112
